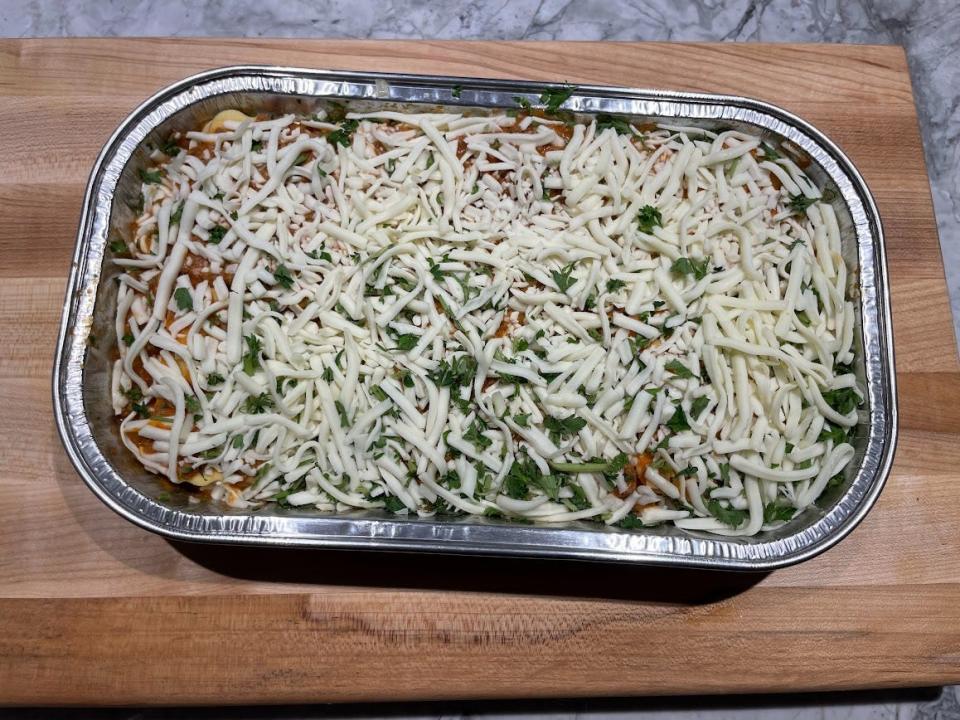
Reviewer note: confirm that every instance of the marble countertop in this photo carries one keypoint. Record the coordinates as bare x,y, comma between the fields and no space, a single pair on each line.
928,29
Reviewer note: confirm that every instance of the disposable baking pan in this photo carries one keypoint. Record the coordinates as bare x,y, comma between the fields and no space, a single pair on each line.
81,373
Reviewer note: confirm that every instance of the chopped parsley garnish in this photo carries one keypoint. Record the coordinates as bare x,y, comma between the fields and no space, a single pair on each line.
251,358
560,428
833,434
800,203
523,471
169,147
183,298
678,421
119,247
774,512
320,255
678,369
687,266
631,522
151,177
344,134
619,124
456,91
727,515
564,277
407,341
176,214
768,153
435,270
698,406
474,435
192,403
394,504
725,472
283,277
128,339
614,285
342,412
459,371
215,379
553,98
216,234
649,218
843,400
522,419
258,404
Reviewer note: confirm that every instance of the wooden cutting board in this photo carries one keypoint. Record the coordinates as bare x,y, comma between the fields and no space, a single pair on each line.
94,610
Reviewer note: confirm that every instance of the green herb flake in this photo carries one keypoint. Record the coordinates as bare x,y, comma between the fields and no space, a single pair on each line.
176,214
283,277
342,412
615,122
678,369
698,406
522,419
560,428
564,277
843,400
727,515
800,203
151,177
344,134
631,522
119,247
407,341
258,404
678,421
128,339
251,358
686,266
725,472
216,234
768,153
649,218
474,435
456,91
615,285
774,512
320,255
553,98
169,147
456,372
183,298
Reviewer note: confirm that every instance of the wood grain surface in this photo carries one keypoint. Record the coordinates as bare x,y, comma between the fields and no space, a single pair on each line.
94,610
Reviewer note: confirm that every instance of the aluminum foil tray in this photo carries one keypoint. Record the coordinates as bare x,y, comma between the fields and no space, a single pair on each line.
81,373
